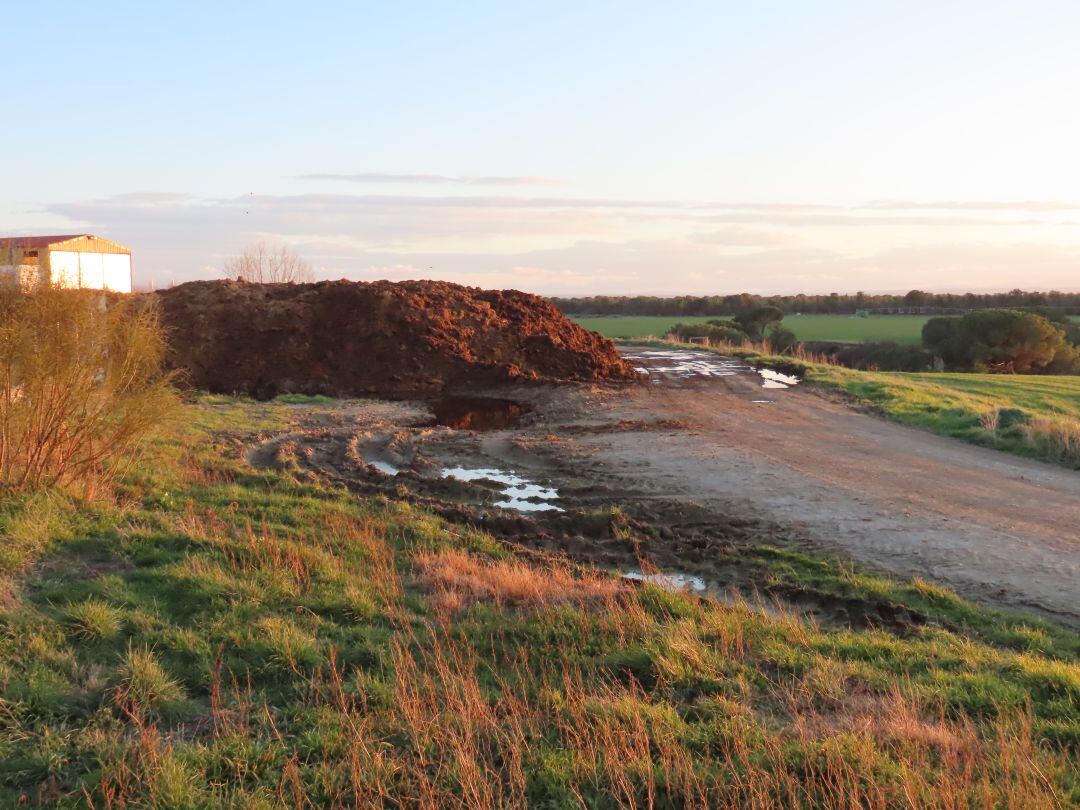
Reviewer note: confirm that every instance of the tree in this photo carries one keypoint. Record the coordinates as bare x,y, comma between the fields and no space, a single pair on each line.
714,331
262,264
1004,340
944,338
754,320
781,339
916,298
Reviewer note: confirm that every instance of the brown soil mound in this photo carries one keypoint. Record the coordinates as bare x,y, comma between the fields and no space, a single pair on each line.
344,338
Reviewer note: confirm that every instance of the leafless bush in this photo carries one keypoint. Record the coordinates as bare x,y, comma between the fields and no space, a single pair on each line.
262,264
81,386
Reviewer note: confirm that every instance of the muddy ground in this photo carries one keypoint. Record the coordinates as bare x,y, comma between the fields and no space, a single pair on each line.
702,461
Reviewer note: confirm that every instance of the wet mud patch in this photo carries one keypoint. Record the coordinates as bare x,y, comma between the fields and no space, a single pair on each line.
477,413
534,489
627,426
849,610
681,364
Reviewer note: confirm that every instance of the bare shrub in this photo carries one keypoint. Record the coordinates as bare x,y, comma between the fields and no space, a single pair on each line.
81,387
261,263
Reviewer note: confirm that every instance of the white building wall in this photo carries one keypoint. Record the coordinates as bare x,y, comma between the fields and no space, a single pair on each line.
117,269
64,267
93,271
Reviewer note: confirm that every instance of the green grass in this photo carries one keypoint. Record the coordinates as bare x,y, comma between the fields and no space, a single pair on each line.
840,328
228,637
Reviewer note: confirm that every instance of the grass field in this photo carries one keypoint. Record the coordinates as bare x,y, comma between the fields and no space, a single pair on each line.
842,328
219,636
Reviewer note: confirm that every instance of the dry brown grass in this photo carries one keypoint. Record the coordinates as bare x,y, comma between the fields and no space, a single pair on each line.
1058,439
459,747
81,387
458,580
456,731
766,349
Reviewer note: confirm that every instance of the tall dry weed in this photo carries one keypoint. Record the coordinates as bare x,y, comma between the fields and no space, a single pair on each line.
81,387
990,420
1058,439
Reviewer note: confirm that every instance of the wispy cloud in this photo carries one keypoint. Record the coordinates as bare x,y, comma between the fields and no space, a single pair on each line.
387,178
151,198
742,236
611,245
1033,206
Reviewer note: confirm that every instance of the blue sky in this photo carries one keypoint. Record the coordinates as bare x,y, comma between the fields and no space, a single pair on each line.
588,147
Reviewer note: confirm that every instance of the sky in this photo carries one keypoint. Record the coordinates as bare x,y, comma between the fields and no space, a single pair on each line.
566,148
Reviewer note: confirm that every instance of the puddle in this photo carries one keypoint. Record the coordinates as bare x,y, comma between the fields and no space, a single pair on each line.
682,363
517,493
384,467
671,581
774,379
688,583
477,413
661,364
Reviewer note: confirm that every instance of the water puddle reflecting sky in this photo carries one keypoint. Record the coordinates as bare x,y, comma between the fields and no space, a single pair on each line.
671,581
774,379
682,363
383,466
518,493
661,364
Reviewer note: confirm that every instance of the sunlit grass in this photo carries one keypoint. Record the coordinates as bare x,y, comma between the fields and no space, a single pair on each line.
222,637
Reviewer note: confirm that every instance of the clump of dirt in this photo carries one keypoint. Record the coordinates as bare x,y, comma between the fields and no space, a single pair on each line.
344,338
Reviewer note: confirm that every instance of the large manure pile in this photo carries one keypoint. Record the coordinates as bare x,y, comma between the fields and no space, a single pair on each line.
344,338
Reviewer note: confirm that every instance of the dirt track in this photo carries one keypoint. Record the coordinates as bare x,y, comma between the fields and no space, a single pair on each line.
990,525
701,467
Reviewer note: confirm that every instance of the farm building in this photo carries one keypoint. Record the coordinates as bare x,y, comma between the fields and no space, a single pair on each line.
78,260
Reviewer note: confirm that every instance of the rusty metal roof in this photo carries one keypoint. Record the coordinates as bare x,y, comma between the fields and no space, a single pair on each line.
46,241
36,241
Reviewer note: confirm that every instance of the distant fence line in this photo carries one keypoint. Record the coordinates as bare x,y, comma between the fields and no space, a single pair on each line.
918,311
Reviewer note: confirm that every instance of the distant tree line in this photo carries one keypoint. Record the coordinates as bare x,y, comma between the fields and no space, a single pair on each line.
833,303
1030,340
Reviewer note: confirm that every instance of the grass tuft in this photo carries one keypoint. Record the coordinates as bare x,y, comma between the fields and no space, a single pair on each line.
94,620
144,686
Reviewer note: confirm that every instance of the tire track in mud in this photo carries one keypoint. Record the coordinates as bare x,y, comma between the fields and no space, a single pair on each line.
992,526
604,521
